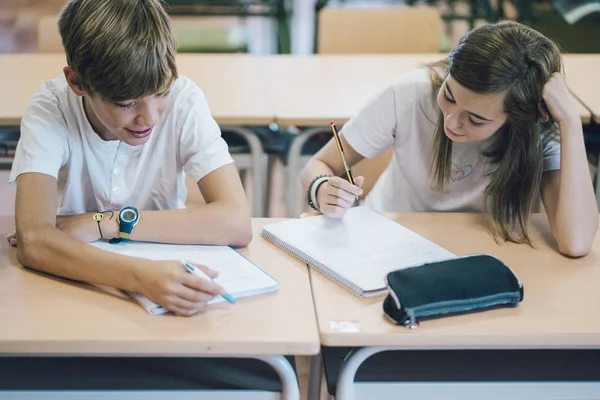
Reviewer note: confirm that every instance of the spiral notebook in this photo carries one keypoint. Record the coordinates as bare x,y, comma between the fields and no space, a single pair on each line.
356,251
238,275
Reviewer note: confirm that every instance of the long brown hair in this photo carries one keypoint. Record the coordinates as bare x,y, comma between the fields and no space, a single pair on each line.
515,59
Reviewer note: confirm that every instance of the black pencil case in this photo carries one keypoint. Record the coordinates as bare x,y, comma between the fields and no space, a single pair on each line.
456,286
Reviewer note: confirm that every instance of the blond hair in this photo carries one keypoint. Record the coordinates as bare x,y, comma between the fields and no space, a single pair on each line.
121,49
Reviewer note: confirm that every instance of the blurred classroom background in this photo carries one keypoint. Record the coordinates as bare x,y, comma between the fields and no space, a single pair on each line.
291,26
299,28
287,36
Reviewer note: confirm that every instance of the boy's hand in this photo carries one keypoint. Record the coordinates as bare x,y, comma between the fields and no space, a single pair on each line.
170,285
337,195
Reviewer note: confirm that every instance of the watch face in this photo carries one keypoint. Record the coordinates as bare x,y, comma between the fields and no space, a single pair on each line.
128,216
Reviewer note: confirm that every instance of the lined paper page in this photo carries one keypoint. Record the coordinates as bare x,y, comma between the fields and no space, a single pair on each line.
362,247
238,275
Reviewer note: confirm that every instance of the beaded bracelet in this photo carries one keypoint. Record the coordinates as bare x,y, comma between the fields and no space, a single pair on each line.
312,190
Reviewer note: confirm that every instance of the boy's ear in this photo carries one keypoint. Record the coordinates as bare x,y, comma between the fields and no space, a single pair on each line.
74,81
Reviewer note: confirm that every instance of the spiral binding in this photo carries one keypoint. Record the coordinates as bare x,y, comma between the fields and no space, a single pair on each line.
313,262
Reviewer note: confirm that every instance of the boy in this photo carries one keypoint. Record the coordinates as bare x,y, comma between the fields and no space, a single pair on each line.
113,136
118,130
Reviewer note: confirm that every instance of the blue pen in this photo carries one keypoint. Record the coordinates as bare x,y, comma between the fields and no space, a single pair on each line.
202,274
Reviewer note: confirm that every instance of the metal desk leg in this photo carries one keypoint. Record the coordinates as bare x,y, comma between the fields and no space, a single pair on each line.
290,391
256,164
597,188
294,166
345,384
314,377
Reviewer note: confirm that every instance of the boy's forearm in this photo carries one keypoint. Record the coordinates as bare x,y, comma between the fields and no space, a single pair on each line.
214,224
50,250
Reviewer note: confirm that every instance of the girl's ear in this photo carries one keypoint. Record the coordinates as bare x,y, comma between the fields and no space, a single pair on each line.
543,110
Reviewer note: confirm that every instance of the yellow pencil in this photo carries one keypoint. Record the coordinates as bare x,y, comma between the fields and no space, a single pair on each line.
342,154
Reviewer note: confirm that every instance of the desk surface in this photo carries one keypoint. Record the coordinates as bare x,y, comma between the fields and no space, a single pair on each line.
312,90
582,78
42,314
299,90
231,82
560,307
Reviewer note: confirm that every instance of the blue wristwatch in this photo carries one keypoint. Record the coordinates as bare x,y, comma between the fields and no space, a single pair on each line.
128,218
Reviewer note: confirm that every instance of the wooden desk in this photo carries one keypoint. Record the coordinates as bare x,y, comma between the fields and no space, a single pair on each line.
313,90
47,316
582,78
560,308
232,84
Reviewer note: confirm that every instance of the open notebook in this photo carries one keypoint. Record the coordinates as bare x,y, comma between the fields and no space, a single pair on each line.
357,251
238,275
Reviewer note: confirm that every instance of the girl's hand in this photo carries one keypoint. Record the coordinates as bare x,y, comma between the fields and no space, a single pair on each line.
337,195
558,101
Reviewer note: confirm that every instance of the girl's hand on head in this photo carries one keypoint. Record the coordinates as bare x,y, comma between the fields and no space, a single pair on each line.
337,195
558,102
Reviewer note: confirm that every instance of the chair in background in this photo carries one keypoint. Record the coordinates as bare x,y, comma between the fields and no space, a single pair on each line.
247,152
195,34
244,160
9,136
210,34
343,30
274,10
359,30
370,168
49,40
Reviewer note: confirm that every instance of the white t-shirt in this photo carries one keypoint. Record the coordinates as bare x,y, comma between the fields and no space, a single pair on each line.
404,116
97,175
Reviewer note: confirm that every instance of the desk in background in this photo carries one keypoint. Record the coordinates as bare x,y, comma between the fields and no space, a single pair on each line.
232,84
46,316
313,90
305,91
310,91
581,72
560,310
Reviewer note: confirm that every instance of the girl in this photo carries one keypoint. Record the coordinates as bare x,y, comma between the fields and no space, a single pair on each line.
483,130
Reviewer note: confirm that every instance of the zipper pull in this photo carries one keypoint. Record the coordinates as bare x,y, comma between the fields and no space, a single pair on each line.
412,322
